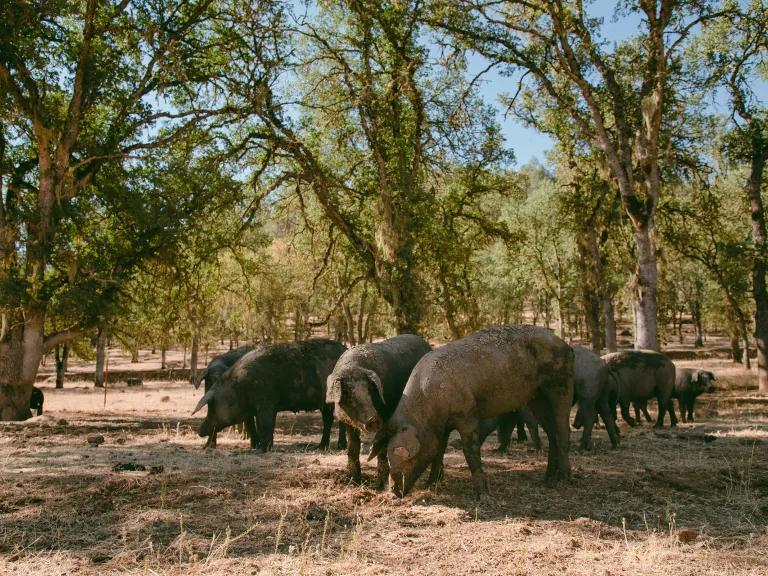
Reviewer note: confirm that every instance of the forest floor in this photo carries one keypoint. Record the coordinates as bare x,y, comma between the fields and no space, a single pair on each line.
689,501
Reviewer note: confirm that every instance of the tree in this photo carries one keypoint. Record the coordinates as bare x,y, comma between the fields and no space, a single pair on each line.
734,52
616,100
82,85
370,114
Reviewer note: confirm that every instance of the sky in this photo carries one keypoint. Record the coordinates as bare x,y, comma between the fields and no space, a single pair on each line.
527,143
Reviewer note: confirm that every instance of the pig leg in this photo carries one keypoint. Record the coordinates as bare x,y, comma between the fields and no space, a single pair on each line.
624,404
578,420
636,406
382,466
553,413
211,443
265,421
253,434
690,409
470,443
533,426
672,415
588,412
664,402
327,412
644,407
436,472
608,419
507,423
353,453
343,435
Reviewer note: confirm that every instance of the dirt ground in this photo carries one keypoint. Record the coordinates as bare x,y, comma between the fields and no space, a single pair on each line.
690,501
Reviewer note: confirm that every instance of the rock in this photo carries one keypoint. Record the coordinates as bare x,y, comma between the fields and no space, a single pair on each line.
165,399
95,439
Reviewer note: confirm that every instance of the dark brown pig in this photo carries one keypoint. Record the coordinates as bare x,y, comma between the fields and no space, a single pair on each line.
365,387
593,395
483,375
640,375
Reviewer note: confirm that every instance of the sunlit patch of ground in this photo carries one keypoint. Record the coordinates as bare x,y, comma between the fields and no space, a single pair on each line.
693,501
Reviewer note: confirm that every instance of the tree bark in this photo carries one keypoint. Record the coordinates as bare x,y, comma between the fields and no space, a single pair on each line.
760,240
193,357
61,363
20,356
101,354
163,363
361,316
349,323
609,322
644,292
592,284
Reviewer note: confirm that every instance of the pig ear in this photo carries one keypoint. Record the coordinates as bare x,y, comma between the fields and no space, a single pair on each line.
200,378
204,400
380,442
712,376
373,377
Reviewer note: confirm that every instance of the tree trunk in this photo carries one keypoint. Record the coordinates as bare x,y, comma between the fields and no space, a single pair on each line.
644,293
368,330
20,355
449,310
698,341
760,240
101,341
163,363
61,363
184,357
745,339
609,323
135,354
361,316
350,324
736,351
193,358
589,255
296,325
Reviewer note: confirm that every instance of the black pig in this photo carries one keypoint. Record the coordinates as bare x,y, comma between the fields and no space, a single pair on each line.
36,400
212,374
269,379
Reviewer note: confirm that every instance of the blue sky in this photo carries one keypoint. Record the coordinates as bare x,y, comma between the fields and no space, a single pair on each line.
527,143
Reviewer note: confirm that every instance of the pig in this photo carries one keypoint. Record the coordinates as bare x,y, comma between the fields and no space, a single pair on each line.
639,375
290,376
212,374
690,383
36,400
483,375
593,394
507,423
365,387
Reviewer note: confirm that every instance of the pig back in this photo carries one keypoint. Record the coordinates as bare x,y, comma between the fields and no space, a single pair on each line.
292,376
488,373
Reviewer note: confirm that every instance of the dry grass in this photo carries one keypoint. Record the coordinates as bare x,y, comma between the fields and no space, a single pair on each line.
655,506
